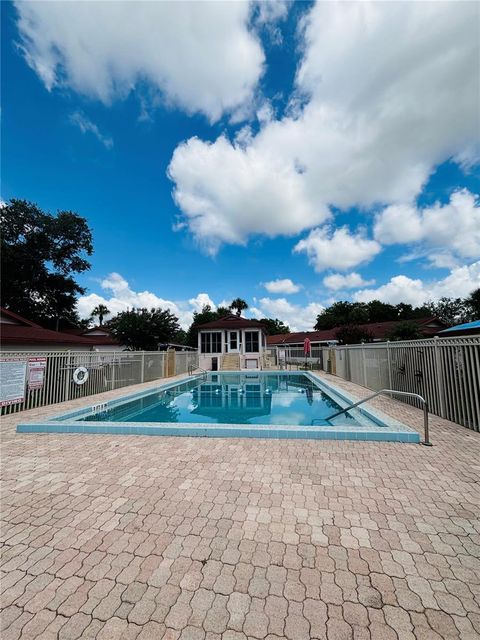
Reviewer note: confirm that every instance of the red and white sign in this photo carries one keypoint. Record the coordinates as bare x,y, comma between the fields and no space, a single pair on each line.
13,373
36,372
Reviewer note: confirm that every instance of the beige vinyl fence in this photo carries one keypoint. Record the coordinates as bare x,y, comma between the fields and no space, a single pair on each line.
106,371
445,371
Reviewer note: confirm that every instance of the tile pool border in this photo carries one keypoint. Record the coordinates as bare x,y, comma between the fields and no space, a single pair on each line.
388,430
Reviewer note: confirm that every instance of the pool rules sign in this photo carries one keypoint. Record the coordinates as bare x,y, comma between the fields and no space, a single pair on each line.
36,372
13,374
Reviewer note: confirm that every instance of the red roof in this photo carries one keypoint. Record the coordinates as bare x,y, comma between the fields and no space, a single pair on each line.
28,332
294,338
377,329
232,322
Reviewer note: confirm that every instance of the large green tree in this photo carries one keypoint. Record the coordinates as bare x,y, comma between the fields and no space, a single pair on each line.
378,311
352,334
353,313
207,314
404,330
472,304
342,313
274,326
40,255
144,329
449,310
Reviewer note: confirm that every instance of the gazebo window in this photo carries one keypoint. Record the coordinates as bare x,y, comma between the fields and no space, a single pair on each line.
211,342
252,342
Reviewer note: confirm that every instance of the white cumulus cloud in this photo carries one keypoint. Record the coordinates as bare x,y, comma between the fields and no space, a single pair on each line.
119,296
337,281
459,283
384,93
201,56
337,248
227,193
284,285
87,126
453,227
296,316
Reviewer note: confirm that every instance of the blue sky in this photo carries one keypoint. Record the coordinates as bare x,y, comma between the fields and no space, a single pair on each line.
289,154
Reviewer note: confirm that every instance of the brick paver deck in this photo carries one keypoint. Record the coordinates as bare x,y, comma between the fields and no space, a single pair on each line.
141,537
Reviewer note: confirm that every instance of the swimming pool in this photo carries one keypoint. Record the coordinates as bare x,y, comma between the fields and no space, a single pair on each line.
234,404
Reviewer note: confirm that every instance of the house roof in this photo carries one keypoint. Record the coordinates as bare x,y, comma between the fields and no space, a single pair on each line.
99,330
232,322
299,336
430,327
466,328
17,319
20,330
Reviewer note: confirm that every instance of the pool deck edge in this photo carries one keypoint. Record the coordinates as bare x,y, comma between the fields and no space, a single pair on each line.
221,431
64,422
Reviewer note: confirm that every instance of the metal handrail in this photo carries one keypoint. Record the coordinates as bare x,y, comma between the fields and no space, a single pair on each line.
192,369
426,440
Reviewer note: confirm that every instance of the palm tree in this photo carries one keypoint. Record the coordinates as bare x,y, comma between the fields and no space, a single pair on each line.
239,305
101,311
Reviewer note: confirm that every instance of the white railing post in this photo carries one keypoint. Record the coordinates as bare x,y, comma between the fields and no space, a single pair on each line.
364,368
389,365
142,373
439,377
66,395
113,370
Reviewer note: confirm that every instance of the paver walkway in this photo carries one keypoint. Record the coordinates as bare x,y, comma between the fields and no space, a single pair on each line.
140,537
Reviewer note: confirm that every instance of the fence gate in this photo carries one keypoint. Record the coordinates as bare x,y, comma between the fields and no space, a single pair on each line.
170,370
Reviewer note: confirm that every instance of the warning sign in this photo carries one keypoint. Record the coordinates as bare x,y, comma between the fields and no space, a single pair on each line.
36,372
12,381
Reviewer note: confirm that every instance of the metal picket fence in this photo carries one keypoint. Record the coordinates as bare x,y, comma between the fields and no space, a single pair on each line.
296,355
445,371
107,370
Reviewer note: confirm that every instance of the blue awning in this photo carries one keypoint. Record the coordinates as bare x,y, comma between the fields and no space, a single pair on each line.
466,326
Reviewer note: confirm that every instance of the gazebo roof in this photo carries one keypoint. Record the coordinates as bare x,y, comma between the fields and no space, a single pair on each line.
232,322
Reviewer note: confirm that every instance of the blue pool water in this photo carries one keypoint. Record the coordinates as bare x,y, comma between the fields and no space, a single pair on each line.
232,405
233,398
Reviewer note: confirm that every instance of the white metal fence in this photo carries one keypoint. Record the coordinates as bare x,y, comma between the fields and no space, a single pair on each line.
296,355
445,371
106,371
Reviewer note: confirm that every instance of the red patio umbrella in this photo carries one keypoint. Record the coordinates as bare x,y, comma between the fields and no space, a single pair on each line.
307,346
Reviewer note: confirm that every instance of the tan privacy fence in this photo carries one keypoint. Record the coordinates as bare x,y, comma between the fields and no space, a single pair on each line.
35,379
445,371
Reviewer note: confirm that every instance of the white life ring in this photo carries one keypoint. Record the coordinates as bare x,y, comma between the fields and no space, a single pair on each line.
80,375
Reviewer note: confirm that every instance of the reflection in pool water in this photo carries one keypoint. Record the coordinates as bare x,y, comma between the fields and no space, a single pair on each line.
232,398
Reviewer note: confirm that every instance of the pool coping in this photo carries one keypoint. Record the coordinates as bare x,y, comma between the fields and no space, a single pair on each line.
67,421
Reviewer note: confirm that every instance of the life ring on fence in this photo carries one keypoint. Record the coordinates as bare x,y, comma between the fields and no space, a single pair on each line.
80,375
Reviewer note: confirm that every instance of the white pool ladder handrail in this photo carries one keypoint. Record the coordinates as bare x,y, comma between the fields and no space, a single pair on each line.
191,370
426,440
